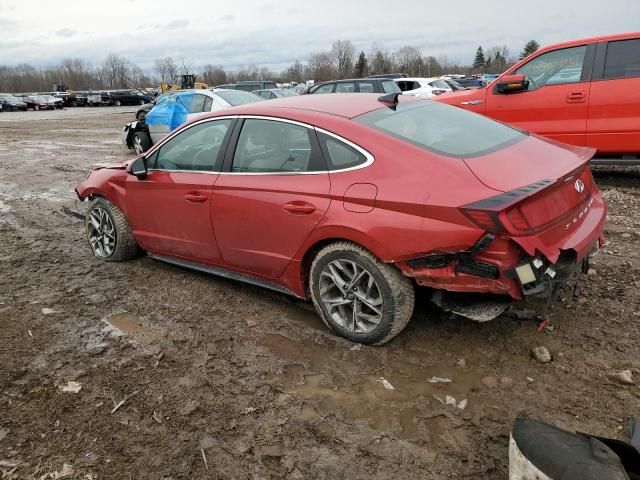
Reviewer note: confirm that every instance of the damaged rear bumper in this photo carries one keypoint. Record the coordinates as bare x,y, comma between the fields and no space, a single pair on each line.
516,266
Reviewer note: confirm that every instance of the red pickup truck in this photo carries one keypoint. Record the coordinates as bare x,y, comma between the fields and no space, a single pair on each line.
583,92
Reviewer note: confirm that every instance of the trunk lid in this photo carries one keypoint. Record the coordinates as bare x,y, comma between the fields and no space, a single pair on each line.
548,191
527,162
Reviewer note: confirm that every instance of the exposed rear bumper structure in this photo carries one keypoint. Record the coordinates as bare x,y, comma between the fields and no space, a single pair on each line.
516,266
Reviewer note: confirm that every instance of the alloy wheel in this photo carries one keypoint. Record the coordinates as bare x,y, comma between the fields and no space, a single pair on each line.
351,296
101,232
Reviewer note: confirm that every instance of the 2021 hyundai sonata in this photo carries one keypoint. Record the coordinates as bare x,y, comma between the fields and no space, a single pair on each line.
350,200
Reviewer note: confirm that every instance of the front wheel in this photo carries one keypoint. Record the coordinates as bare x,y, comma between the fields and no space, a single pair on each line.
108,232
118,103
358,296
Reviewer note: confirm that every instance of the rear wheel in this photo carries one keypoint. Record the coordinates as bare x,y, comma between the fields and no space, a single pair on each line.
118,103
141,142
141,115
36,107
358,296
108,232
141,102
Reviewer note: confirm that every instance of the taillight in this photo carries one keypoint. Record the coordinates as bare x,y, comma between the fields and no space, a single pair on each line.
532,209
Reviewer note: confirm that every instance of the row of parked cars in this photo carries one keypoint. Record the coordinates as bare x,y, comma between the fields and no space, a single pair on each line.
53,100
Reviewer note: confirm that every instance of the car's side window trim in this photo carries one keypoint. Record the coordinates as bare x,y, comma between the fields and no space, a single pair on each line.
233,143
155,150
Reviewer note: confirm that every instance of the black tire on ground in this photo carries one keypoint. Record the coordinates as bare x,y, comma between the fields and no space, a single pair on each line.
396,291
141,115
36,107
118,103
141,102
141,142
126,247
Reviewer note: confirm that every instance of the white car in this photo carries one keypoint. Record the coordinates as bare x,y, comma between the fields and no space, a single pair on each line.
422,87
141,135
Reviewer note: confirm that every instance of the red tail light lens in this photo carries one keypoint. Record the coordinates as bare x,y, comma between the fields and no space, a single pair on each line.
536,207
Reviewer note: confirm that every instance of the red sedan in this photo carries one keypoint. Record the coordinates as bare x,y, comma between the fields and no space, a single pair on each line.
350,200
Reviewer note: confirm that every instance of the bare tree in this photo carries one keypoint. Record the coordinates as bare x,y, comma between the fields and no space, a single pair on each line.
214,75
322,67
294,73
166,68
409,60
116,69
381,61
343,53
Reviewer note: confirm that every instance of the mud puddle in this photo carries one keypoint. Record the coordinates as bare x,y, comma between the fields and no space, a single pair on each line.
348,382
127,324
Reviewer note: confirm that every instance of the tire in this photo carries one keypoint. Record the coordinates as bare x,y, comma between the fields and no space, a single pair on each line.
36,107
141,102
120,244
141,142
118,103
141,115
385,303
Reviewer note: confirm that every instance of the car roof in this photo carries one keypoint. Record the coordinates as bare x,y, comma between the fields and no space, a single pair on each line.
345,105
603,38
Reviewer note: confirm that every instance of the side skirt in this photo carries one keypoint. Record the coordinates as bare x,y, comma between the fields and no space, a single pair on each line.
221,272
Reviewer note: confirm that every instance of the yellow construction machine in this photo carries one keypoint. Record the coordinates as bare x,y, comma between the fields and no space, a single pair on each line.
183,82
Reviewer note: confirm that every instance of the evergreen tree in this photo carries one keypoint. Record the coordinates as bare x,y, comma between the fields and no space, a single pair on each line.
529,48
361,68
479,63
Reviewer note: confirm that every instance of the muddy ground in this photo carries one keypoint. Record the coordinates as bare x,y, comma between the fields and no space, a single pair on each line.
251,381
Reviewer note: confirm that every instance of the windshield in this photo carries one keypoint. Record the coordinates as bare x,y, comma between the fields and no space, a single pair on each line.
441,128
238,97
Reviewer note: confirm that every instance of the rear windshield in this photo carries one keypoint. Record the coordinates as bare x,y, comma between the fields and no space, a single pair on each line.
441,128
238,97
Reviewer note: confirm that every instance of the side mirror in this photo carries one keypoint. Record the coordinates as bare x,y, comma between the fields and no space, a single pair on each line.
139,168
512,83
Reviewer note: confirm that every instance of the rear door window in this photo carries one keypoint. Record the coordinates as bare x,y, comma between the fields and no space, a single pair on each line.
365,87
623,59
345,87
269,146
197,104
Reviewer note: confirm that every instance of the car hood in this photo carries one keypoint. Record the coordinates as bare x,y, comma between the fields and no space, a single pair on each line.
528,161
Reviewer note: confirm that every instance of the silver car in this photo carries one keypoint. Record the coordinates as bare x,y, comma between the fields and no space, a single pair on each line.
206,101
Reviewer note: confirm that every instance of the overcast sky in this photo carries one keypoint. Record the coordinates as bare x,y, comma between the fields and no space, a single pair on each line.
275,33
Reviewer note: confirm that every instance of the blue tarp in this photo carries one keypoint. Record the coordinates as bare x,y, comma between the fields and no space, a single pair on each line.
171,110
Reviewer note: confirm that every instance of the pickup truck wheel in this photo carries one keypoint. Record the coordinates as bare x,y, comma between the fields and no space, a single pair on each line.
358,296
108,232
118,103
141,142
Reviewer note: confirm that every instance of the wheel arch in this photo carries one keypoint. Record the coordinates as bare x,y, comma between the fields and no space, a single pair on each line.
318,241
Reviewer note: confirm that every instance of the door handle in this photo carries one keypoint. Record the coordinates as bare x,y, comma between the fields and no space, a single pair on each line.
576,97
299,208
195,198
